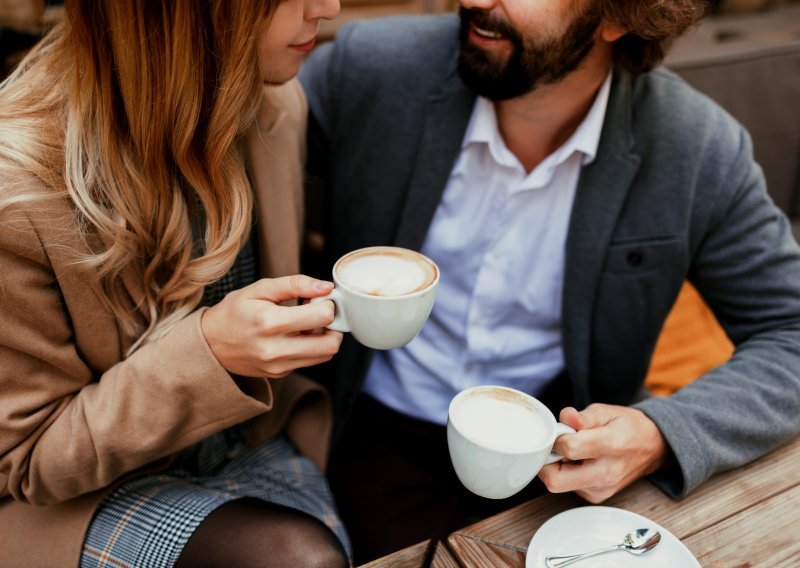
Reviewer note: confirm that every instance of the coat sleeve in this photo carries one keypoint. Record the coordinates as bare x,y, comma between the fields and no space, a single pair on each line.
747,268
66,430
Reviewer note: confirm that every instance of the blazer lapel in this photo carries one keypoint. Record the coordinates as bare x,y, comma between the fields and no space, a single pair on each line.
601,194
446,117
274,155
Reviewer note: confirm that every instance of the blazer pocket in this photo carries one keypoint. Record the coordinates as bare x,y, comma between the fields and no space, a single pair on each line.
636,257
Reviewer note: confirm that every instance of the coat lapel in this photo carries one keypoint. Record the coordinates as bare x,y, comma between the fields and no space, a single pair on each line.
601,194
275,151
446,117
65,245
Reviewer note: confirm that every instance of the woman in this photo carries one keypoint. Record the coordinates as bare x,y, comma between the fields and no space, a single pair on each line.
148,416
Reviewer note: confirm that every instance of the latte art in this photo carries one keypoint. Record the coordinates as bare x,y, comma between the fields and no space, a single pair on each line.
384,271
501,424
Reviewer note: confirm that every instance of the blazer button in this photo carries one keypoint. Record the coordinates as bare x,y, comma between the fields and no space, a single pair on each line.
635,258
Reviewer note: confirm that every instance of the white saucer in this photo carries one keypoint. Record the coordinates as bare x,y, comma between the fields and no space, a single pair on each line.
588,528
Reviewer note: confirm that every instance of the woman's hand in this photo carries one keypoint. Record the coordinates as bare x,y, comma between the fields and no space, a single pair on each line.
614,446
253,336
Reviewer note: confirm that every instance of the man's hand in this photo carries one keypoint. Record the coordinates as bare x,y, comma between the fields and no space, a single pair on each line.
613,447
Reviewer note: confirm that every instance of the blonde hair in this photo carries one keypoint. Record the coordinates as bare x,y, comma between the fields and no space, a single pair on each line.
135,112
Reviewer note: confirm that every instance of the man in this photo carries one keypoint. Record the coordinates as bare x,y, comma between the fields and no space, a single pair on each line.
566,191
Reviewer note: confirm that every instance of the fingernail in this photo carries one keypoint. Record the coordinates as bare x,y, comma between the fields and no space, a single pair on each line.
323,285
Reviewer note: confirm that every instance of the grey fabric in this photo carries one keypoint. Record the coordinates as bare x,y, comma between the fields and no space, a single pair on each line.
673,194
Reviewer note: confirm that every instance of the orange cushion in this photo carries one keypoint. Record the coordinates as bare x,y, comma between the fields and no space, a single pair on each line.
691,343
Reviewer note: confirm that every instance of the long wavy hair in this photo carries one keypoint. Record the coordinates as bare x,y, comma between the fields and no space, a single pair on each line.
134,111
652,26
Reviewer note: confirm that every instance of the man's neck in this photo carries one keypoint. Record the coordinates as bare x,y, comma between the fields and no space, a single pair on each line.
535,125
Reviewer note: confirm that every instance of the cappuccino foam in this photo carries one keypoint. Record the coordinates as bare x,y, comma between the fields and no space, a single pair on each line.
501,424
385,271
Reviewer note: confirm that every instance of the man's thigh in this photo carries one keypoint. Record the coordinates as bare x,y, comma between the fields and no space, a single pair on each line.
395,486
391,479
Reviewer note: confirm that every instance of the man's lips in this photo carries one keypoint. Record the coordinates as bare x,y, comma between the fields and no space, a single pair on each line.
304,47
485,38
487,34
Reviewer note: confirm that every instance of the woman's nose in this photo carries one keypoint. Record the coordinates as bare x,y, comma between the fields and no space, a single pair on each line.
322,9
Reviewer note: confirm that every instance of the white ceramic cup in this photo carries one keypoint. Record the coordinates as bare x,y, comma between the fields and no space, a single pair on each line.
381,321
486,461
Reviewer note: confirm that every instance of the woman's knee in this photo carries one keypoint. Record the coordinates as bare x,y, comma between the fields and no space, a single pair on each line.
248,533
308,552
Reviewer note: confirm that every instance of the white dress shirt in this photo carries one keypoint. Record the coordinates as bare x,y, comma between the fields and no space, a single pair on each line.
498,237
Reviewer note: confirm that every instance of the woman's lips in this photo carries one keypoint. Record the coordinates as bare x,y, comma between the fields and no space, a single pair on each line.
304,47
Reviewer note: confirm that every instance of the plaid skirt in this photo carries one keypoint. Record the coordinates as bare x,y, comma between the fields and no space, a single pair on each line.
146,522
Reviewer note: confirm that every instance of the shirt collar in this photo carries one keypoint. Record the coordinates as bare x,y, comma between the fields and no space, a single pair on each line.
483,128
586,138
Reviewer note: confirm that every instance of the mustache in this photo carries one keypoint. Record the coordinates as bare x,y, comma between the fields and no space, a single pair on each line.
485,21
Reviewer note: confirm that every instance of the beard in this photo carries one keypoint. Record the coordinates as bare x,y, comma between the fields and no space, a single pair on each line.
532,63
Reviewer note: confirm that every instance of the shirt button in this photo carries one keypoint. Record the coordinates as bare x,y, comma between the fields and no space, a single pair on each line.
635,258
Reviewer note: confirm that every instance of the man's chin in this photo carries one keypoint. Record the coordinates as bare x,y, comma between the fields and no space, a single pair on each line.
489,79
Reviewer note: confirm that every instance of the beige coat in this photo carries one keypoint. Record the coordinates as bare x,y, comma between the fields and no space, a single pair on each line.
75,417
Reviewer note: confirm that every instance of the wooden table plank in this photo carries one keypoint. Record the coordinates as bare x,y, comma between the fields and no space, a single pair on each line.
471,552
515,527
719,498
442,558
411,557
765,535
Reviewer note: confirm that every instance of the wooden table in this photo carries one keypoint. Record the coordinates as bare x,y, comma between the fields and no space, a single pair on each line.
745,518
412,557
748,517
422,555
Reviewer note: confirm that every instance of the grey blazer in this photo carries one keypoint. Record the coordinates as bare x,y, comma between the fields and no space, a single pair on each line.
673,194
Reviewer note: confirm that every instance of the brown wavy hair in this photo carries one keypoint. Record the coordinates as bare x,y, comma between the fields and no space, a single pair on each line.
134,111
652,26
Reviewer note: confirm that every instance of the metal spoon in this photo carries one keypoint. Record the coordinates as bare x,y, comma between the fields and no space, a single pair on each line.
636,542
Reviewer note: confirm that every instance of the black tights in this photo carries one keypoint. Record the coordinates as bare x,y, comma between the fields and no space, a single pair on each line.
248,533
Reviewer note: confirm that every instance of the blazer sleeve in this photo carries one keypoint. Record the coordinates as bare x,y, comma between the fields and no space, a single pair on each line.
66,430
747,268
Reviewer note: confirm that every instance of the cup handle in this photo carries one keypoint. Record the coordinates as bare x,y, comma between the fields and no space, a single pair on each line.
339,322
561,429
